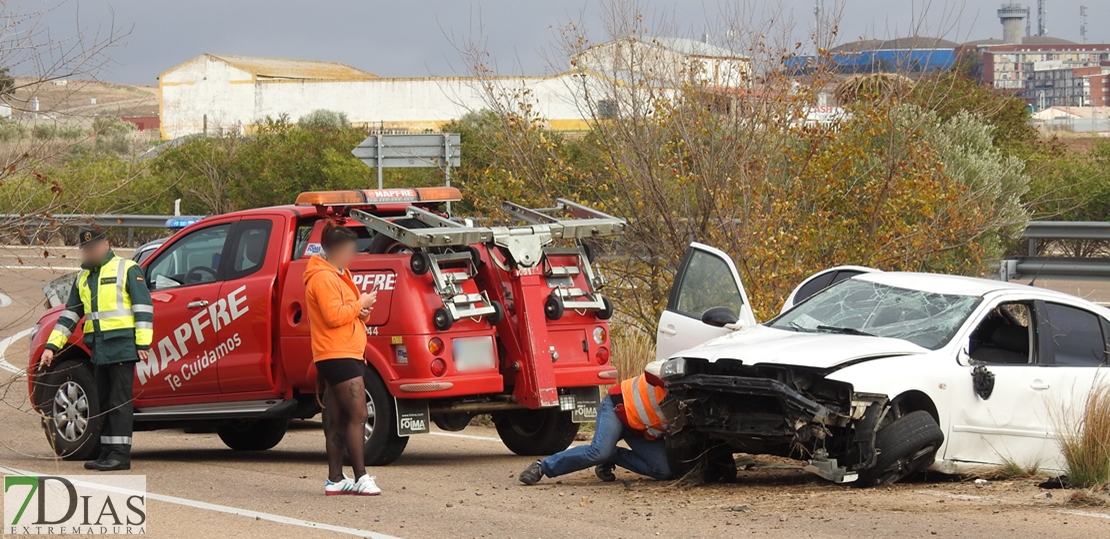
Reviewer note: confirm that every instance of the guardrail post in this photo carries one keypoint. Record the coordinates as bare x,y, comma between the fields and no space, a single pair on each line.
1032,246
130,236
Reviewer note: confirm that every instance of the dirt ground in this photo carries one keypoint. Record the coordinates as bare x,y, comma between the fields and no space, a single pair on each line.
464,485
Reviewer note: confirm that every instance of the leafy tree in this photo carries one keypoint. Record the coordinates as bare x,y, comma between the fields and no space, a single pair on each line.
7,82
950,92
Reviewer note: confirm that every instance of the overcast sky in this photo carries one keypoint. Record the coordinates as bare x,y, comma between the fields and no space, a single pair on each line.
411,38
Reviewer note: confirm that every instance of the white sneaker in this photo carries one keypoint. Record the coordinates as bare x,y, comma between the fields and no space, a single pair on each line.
343,487
365,486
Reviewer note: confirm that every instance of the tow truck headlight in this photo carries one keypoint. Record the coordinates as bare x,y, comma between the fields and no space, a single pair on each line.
35,331
673,368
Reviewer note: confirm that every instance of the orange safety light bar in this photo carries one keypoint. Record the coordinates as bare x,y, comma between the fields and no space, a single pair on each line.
358,197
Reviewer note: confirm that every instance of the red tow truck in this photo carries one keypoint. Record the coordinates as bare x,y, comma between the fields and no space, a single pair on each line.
470,320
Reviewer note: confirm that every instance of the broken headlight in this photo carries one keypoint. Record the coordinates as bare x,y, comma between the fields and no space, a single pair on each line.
673,368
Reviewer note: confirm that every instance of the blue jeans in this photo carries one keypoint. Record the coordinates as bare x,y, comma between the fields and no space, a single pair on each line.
647,457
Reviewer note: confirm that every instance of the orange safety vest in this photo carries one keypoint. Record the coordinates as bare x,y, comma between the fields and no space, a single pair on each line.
642,406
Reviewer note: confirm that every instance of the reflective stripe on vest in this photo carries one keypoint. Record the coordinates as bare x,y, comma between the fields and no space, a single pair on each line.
112,310
641,406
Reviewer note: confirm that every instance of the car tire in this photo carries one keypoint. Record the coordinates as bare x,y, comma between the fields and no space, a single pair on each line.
906,446
381,444
67,399
257,435
536,432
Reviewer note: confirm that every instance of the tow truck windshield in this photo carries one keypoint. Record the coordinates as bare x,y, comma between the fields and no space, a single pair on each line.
862,308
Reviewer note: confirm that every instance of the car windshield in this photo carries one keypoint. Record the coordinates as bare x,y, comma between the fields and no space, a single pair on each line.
859,307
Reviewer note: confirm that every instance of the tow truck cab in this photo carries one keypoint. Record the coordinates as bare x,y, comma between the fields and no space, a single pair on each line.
465,326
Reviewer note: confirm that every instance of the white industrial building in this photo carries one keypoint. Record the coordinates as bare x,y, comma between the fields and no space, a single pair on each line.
219,93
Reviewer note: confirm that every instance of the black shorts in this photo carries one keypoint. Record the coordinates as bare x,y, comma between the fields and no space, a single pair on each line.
337,371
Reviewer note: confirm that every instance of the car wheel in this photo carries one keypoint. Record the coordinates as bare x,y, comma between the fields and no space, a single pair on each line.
381,444
258,435
906,446
536,432
67,399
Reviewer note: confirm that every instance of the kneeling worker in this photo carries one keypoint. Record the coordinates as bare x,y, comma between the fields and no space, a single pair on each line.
112,296
632,412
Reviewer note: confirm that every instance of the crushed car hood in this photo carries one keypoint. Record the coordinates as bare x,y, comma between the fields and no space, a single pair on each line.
761,344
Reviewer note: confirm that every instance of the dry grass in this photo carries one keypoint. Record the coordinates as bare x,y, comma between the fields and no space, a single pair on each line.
632,350
1009,470
1085,443
1086,498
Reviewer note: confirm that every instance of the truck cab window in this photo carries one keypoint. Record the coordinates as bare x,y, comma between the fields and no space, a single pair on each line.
195,259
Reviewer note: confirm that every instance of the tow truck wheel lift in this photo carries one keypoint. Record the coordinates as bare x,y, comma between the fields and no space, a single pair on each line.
540,283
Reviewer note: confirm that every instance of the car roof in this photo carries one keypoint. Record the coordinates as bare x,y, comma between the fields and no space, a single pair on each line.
952,284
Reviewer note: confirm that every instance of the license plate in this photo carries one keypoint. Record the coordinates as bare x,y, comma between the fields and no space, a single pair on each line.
473,354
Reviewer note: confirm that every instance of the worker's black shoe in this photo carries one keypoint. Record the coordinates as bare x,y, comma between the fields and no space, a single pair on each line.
532,474
110,465
91,465
605,473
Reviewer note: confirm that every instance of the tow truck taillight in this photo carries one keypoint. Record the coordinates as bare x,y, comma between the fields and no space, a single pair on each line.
435,346
599,335
602,355
439,367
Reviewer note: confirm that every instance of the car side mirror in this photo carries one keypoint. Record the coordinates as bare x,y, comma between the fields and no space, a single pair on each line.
719,317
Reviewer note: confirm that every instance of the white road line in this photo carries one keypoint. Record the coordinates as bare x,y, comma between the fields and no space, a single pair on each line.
257,515
467,436
4,344
59,268
5,300
1084,513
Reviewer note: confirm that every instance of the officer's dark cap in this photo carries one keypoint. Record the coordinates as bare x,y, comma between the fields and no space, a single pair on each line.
89,236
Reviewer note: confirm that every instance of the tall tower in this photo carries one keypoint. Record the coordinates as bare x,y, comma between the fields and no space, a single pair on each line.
1083,25
1011,16
1042,24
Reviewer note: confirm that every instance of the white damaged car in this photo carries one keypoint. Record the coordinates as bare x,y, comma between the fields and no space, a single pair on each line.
877,375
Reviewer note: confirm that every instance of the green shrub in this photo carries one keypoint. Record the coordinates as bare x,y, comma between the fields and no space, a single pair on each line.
324,119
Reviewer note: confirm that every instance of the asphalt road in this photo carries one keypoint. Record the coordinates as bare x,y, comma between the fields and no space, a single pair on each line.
464,484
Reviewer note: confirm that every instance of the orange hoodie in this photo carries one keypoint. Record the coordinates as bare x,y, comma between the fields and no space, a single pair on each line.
333,310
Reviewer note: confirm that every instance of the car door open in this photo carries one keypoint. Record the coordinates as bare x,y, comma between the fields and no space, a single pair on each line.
706,279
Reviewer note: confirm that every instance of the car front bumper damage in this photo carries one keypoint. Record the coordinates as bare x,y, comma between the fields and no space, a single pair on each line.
759,414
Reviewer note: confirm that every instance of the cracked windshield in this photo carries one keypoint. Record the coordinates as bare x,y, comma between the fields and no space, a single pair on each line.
857,307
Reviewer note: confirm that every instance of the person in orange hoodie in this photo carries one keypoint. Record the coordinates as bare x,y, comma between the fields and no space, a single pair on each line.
337,315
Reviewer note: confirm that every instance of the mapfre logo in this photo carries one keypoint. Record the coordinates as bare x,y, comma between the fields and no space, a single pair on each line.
75,505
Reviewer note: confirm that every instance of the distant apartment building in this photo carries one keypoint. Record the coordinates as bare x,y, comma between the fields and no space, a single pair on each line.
1046,75
1055,84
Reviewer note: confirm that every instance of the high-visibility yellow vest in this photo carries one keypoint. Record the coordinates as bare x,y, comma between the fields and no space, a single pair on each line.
642,407
113,309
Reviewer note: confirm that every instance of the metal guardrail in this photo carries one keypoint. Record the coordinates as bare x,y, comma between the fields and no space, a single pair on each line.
1033,266
130,222
1064,230
77,219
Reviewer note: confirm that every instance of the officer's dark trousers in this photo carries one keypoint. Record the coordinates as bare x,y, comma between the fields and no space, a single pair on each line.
113,385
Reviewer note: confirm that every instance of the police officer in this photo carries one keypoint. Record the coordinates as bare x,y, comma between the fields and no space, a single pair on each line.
112,296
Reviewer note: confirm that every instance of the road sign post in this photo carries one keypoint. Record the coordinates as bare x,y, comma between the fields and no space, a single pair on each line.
407,151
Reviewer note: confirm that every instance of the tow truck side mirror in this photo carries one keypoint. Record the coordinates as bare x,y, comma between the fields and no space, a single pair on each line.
719,317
